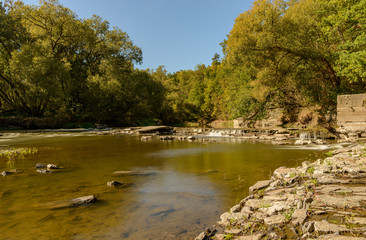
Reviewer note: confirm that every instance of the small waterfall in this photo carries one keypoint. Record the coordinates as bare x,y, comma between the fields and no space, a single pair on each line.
215,134
308,136
305,135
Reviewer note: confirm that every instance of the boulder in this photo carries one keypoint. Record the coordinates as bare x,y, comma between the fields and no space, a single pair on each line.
72,202
52,166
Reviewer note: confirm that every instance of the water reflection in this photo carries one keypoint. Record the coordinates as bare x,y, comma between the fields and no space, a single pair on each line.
194,184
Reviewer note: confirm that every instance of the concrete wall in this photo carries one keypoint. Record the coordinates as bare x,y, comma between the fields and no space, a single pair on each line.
351,112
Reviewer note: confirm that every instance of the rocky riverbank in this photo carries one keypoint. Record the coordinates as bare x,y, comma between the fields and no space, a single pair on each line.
279,136
321,200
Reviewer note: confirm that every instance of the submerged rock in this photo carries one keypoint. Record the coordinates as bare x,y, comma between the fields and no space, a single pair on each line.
5,173
72,202
162,210
43,171
10,172
115,184
165,138
133,173
145,138
40,165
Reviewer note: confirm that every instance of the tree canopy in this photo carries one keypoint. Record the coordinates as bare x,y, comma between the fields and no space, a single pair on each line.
54,63
279,54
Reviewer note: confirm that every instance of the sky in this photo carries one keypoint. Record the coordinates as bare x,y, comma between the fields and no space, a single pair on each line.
178,34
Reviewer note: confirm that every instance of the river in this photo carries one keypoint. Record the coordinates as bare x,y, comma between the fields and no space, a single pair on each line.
194,183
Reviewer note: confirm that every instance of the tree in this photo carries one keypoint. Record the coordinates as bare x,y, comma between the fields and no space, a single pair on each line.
50,56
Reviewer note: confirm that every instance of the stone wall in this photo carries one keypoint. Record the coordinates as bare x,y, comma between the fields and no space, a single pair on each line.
351,112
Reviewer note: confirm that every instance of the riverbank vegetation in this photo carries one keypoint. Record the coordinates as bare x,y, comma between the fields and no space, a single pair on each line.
279,55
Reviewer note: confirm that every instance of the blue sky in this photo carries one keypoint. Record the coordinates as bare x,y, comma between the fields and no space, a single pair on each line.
178,34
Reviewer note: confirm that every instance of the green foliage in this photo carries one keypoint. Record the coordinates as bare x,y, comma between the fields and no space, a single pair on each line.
288,214
310,170
55,64
329,154
228,236
279,54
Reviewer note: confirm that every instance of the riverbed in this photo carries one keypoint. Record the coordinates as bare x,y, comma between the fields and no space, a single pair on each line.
193,183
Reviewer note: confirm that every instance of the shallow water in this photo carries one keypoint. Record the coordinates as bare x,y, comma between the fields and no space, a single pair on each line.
194,183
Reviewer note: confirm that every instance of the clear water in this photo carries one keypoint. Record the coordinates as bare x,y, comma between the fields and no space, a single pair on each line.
194,183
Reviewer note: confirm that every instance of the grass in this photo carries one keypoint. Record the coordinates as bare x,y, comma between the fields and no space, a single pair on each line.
228,236
16,153
265,205
311,170
288,214
329,154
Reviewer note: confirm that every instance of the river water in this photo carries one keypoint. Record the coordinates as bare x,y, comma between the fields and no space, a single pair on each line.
194,183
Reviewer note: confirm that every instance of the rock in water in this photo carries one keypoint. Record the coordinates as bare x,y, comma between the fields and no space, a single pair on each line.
4,173
115,184
72,203
52,166
40,165
43,171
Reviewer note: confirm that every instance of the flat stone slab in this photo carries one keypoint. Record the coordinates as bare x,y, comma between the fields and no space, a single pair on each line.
299,216
275,220
260,185
357,220
234,231
154,129
256,236
338,202
324,227
72,202
339,237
